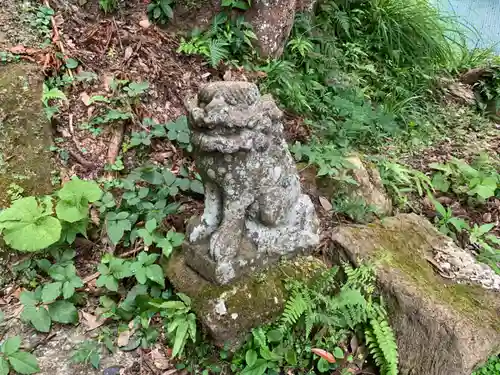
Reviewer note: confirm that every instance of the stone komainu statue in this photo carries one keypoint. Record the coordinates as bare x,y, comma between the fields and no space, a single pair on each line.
254,210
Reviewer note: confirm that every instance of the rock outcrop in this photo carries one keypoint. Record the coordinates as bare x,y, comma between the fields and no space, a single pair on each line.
272,21
443,325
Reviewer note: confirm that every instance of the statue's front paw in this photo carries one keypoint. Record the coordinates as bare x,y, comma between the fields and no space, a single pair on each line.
200,232
224,244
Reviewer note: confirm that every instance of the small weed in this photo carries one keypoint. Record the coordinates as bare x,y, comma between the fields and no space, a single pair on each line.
492,367
15,192
108,6
13,358
160,11
88,351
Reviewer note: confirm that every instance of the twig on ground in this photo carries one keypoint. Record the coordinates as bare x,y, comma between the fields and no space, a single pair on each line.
115,145
47,338
92,277
56,37
85,163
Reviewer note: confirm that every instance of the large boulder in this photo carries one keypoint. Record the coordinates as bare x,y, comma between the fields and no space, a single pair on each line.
25,132
444,324
272,21
25,138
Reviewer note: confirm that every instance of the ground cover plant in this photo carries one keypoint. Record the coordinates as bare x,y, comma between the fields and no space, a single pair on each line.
359,77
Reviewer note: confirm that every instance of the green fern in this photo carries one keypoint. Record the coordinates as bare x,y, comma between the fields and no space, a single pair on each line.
218,51
381,342
53,93
295,307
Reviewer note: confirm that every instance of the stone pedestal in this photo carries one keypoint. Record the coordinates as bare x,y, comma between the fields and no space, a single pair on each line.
229,312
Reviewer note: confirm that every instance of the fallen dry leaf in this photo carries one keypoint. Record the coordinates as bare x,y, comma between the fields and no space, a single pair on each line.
144,23
91,321
160,360
85,98
324,354
17,49
325,203
128,53
170,372
123,338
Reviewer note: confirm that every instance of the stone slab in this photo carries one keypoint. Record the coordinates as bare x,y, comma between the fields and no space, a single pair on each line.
442,327
229,312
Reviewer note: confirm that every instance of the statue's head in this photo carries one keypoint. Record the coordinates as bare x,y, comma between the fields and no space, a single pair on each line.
229,107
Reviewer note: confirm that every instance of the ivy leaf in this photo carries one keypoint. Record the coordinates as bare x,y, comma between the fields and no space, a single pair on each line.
11,345
51,291
74,197
107,281
258,368
39,317
4,367
28,298
175,238
27,226
166,246
63,312
155,273
24,363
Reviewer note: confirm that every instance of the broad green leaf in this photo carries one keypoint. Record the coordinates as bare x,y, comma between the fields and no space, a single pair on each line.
43,264
291,357
51,291
275,335
197,187
151,225
154,272
68,290
24,363
4,367
140,272
57,272
39,317
28,298
26,225
11,345
77,189
63,312
258,368
251,357
165,246
323,365
71,63
168,177
72,211
338,353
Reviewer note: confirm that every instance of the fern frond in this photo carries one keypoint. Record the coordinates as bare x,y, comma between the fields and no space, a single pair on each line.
295,307
53,93
326,281
381,342
218,51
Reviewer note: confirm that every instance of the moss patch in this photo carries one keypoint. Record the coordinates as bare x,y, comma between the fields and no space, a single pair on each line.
25,134
249,302
401,245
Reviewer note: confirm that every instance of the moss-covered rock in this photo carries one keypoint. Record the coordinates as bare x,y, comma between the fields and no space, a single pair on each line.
25,137
442,327
230,311
25,134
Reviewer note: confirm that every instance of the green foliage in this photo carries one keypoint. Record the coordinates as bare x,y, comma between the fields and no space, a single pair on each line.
117,106
29,224
147,197
161,11
111,271
492,367
41,314
176,131
88,351
480,180
13,358
355,208
108,6
41,21
229,38
180,322
317,315
400,180
488,91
